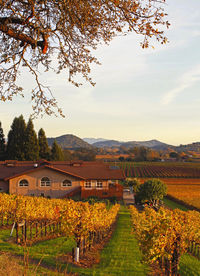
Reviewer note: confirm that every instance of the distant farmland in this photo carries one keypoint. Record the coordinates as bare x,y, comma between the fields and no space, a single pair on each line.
182,179
160,169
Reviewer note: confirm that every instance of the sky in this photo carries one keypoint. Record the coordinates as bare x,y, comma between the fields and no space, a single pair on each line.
140,94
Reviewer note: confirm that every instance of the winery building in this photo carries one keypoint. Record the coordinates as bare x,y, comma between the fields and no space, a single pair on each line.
60,179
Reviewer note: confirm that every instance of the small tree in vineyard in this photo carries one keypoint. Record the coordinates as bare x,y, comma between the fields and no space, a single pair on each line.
152,191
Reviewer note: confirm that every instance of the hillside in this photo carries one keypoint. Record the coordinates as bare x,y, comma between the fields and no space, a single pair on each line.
154,144
108,144
94,140
69,141
189,147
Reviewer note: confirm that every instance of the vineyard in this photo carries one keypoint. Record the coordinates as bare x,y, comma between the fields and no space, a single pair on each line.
182,179
160,169
33,219
164,236
190,194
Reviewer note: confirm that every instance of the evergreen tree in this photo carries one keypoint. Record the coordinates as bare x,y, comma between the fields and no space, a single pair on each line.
56,152
44,152
2,145
16,139
31,143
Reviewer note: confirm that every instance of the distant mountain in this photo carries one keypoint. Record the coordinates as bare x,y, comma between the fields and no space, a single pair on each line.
70,141
94,140
154,144
108,144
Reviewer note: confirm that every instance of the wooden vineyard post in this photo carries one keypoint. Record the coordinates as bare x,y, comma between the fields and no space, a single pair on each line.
90,240
25,230
30,226
73,254
36,229
83,245
45,228
176,257
77,248
167,267
77,254
2,219
49,227
161,261
17,233
22,231
41,230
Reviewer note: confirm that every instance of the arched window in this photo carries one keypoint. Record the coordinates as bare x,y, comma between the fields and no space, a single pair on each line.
23,183
66,183
45,182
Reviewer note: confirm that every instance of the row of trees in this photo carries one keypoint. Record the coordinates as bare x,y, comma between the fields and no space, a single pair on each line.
24,144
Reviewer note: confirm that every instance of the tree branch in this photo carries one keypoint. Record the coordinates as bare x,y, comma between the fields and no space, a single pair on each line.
43,44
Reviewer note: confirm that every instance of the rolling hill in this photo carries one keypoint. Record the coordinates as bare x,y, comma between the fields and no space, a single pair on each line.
153,144
69,141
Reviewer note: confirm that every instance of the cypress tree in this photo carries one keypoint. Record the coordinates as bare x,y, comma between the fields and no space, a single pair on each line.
16,139
31,143
2,145
44,152
56,152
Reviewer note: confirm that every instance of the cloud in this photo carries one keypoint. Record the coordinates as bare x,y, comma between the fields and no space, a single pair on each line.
187,80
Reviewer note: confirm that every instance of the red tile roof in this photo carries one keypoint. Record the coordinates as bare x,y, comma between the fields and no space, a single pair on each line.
79,169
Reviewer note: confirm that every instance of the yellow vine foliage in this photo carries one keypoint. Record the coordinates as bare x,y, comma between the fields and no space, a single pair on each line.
166,232
77,218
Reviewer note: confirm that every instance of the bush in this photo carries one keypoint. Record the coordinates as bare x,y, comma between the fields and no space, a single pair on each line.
152,191
134,183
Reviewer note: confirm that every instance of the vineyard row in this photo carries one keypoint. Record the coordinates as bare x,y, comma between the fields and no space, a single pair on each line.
33,219
167,234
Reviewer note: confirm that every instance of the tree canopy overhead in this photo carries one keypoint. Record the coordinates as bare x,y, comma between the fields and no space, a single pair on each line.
32,31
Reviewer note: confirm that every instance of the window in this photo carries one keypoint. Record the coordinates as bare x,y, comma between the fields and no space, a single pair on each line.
66,183
99,184
45,182
23,183
112,183
88,185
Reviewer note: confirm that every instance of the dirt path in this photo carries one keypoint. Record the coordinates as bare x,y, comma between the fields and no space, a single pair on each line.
128,197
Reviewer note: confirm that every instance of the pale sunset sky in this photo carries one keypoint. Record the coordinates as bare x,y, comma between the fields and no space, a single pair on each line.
139,94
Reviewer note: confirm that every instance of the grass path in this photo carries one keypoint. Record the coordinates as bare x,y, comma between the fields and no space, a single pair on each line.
174,205
121,256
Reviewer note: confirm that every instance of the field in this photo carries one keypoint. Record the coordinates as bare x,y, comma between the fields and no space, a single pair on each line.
182,179
190,194
160,169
